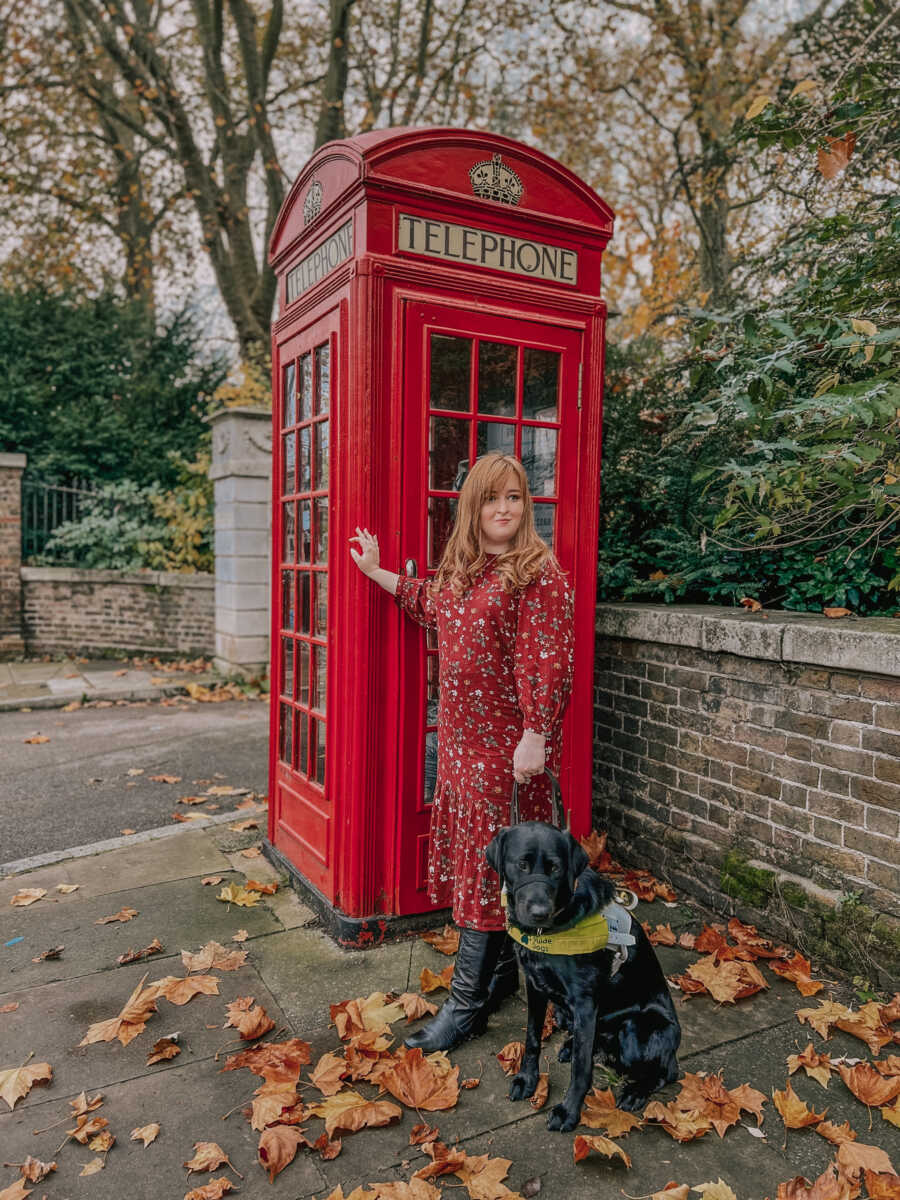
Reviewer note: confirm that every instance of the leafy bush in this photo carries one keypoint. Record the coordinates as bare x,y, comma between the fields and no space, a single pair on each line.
114,531
188,513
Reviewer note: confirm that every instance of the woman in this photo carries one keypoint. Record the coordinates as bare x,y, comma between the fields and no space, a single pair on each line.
502,611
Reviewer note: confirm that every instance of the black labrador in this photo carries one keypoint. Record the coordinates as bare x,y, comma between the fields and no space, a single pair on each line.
613,1001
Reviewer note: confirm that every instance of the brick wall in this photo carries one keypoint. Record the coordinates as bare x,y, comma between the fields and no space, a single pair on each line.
100,611
11,468
755,761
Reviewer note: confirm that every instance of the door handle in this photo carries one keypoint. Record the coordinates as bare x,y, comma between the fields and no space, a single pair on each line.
410,568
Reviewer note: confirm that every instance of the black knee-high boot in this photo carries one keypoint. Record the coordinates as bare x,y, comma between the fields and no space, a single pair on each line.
464,1015
505,980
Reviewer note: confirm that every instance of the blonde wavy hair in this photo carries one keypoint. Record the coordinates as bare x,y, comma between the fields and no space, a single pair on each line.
464,557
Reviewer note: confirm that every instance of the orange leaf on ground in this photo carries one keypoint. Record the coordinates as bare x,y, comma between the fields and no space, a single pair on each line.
249,1019
124,914
15,1191
416,1006
423,1133
797,970
207,1156
600,1112
867,1025
273,1061
327,1075
180,990
662,935
145,1134
11,1007
892,1113
351,1111
86,1128
891,1012
882,1186
594,845
265,889
682,1126
818,1066
34,1170
824,1017
16,1082
836,1134
857,1156
214,957
211,879
885,1066
430,982
131,1021
869,1085
729,981
829,1186
163,1049
583,1146
418,1083
446,940
673,1191
372,1013
326,1148
270,1101
541,1092
214,1190
26,896
794,1111
155,947
278,1146
510,1057
240,936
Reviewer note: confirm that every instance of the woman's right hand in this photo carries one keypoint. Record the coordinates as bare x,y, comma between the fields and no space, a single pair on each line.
368,557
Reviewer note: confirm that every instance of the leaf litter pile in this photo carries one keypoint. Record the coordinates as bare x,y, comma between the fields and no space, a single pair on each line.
369,1079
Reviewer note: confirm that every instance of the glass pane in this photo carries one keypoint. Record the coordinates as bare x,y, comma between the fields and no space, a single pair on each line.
441,515
540,384
302,741
320,441
287,667
303,506
430,766
304,602
285,733
287,458
287,599
321,555
320,752
303,462
544,521
303,672
495,435
323,375
451,368
497,378
431,691
288,540
539,459
318,682
305,387
290,395
448,450
321,604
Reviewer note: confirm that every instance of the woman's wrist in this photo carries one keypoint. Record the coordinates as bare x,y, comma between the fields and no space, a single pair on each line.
531,735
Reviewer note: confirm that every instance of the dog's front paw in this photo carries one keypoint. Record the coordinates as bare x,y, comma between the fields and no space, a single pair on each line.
523,1085
562,1119
632,1098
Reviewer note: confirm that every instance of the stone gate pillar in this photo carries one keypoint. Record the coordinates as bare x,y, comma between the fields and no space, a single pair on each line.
241,473
11,468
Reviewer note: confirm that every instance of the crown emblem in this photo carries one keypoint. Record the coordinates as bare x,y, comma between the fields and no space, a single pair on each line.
312,205
494,180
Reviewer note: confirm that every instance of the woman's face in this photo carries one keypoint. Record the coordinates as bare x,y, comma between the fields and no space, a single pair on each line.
501,516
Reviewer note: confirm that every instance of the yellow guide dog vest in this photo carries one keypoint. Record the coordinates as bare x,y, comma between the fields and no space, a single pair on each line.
609,927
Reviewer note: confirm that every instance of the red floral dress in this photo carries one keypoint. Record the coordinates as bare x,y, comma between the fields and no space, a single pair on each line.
505,664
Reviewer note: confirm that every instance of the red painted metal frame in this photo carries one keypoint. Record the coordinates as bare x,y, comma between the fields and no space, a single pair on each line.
363,863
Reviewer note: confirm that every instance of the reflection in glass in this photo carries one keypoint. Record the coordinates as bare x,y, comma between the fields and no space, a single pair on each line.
544,521
302,742
287,599
448,452
430,765
303,460
320,604
303,577
431,712
323,375
540,383
320,752
303,672
305,387
288,540
318,685
320,441
287,667
303,509
287,459
539,459
285,733
290,395
497,378
451,359
321,555
495,435
441,515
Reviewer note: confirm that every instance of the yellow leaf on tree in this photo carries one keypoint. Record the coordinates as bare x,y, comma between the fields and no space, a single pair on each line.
757,106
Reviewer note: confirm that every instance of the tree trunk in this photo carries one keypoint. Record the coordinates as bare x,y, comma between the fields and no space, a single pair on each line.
331,115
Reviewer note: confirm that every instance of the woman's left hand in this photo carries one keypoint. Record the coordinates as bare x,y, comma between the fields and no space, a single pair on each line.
529,756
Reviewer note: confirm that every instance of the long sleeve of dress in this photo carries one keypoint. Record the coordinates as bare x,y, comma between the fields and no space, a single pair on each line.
545,650
416,601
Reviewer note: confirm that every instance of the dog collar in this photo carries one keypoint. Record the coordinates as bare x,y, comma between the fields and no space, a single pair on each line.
609,927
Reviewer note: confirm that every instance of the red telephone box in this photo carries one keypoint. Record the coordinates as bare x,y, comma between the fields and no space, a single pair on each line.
439,297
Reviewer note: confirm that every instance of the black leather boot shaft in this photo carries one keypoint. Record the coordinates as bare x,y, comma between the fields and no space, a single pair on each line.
464,1015
505,980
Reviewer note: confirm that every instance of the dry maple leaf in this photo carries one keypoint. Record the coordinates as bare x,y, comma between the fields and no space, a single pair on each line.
853,1157
103,1142
683,1126
131,956
180,990
264,889
16,1082
715,1191
34,1170
373,1013
91,1168
429,981
673,1191
885,1066
243,826
66,889
600,1112
163,1049
824,1017
416,1006
594,845
829,1186
11,1007
866,1023
189,800
727,982
418,1084
446,940
817,1066
583,1146
328,1074
662,935
541,1092
510,1057
15,1191
26,896
351,1111
53,952
882,1186
251,852
422,1133
278,1146
251,1021
892,1113
836,1134
233,893
269,1102
38,740
240,936
327,1149
797,970
214,957
414,1189
124,914
869,1085
165,779
207,1156
214,1190
81,1104
211,879
276,1062
146,1134
794,1111
87,1128
131,1020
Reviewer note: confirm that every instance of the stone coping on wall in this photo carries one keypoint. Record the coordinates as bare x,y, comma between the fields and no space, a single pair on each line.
194,579
870,644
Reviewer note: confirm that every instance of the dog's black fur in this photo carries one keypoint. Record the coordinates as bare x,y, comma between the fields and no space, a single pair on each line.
628,1017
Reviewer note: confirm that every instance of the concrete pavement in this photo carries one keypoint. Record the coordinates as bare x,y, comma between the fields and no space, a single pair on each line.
296,973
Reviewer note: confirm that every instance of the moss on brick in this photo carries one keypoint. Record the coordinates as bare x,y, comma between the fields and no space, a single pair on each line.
752,885
793,894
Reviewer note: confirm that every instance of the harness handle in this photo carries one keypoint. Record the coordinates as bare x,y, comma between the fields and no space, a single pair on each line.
557,800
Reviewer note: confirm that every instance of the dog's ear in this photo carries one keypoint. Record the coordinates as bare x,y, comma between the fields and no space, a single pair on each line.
578,861
494,852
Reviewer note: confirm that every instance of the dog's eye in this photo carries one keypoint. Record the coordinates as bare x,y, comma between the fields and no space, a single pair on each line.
555,868
523,865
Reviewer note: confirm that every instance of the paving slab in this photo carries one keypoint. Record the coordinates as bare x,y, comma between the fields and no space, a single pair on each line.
191,853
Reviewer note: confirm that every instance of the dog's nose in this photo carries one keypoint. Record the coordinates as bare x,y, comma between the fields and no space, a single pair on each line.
539,910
